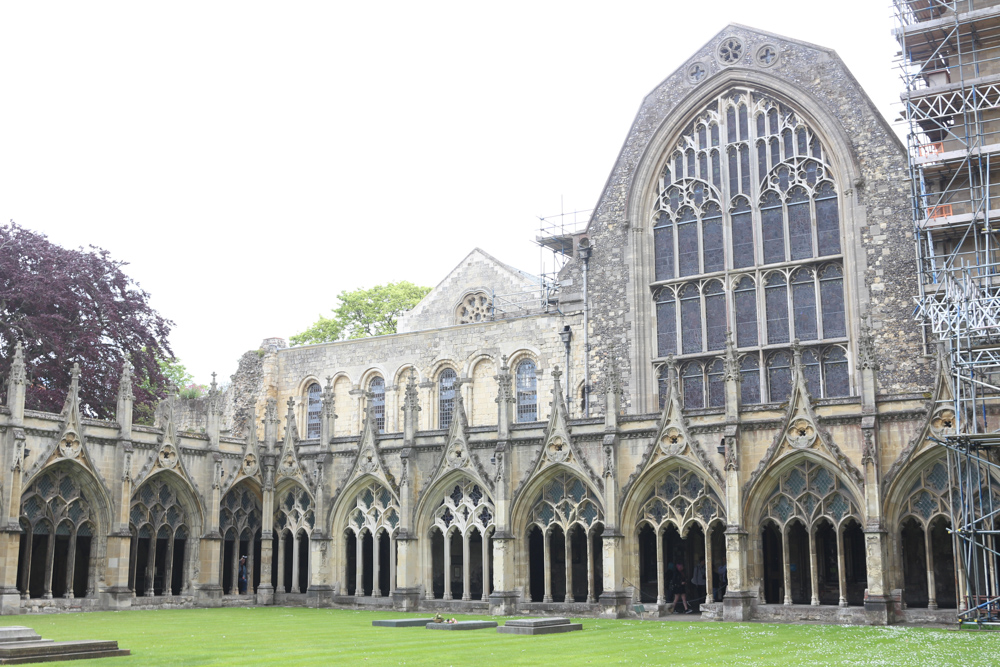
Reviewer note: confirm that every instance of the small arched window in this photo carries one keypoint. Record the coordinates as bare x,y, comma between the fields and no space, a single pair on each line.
314,410
446,397
750,380
779,377
377,390
527,392
716,385
693,385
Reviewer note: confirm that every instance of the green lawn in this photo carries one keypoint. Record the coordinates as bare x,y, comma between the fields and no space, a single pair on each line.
295,636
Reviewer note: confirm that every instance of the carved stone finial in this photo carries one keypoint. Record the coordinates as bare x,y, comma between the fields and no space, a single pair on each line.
866,347
214,386
505,392
730,365
291,407
614,375
411,397
271,411
17,369
796,354
556,374
125,384
75,375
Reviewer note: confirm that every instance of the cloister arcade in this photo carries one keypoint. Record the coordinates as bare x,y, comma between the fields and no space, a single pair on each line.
162,531
294,520
459,551
370,542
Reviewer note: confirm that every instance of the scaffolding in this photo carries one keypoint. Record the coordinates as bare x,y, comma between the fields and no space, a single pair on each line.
950,66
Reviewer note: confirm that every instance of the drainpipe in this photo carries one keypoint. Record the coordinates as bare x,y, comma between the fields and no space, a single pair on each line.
585,256
567,335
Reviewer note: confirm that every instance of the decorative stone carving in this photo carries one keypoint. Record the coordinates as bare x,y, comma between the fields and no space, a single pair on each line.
505,393
673,442
368,463
730,50
69,446
250,466
167,457
866,347
732,462
456,456
696,73
801,434
475,307
943,423
767,55
557,451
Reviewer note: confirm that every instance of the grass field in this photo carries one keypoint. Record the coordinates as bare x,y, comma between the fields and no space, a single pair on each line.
296,636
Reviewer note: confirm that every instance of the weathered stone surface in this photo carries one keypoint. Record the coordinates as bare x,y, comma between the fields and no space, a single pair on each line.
402,623
462,625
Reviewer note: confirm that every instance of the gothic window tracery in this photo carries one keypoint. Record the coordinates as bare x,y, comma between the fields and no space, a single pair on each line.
156,517
463,506
810,492
240,513
375,509
155,506
56,499
770,209
475,307
314,397
680,497
293,511
565,501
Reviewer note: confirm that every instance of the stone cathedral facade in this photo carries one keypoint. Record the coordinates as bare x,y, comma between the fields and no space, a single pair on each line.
732,377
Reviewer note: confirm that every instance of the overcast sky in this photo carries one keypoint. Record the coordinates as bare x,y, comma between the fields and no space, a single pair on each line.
251,160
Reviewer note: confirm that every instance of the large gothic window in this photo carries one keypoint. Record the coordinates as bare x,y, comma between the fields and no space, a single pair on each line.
446,397
527,391
746,238
315,408
377,390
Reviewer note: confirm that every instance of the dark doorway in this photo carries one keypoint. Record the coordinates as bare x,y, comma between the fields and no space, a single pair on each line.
772,562
536,564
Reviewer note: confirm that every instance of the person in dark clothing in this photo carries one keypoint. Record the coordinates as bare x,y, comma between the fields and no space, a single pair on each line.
243,575
678,586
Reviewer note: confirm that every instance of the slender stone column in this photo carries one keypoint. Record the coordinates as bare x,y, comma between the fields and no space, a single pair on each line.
50,558
70,565
486,566
296,545
133,561
186,568
931,584
786,566
279,580
447,566
661,597
359,566
547,560
235,567
429,570
26,573
841,575
708,566
250,551
151,567
466,574
392,565
813,574
590,569
569,568
168,569
376,553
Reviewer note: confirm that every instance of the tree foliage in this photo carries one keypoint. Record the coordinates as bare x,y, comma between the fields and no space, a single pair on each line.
69,306
364,312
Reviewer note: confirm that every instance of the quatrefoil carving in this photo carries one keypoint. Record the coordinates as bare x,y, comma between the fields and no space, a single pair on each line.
456,456
558,450
801,434
167,457
70,446
673,441
943,423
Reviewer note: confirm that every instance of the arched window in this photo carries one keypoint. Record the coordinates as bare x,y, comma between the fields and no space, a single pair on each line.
693,385
315,409
527,392
446,397
750,380
716,385
837,382
769,214
377,390
779,376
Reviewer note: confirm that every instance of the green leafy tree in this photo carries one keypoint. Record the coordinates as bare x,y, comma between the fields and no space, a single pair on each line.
364,312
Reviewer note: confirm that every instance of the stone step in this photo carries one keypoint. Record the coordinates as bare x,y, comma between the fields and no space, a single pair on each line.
402,622
16,653
462,625
18,633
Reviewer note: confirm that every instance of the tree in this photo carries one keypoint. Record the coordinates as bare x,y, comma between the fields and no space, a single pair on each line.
76,306
363,313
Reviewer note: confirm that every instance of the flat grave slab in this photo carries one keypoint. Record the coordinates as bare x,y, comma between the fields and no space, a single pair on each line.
402,622
18,633
16,653
538,626
462,625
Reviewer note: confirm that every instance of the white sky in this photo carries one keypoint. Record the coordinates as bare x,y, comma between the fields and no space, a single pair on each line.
251,160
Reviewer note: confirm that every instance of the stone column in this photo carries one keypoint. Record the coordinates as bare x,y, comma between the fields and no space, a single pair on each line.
661,597
786,566
151,567
70,565
709,575
503,599
376,557
235,567
359,566
841,575
447,566
296,545
486,566
466,574
279,582
250,590
26,572
133,562
813,574
168,569
547,597
265,591
590,568
568,543
392,565
210,548
615,600
931,583
12,444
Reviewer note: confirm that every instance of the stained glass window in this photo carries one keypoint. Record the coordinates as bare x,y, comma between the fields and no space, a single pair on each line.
715,316
527,391
663,247
690,319
831,291
446,397
750,380
716,385
772,228
734,170
711,224
835,369
776,302
804,304
742,222
693,385
827,220
744,169
662,385
799,224
746,312
666,324
716,170
377,389
687,242
315,398
779,377
811,372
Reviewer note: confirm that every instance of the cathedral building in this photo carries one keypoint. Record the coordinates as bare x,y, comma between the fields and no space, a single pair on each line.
729,378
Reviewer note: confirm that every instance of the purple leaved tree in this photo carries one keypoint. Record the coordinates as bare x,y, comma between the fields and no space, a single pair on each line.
67,306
